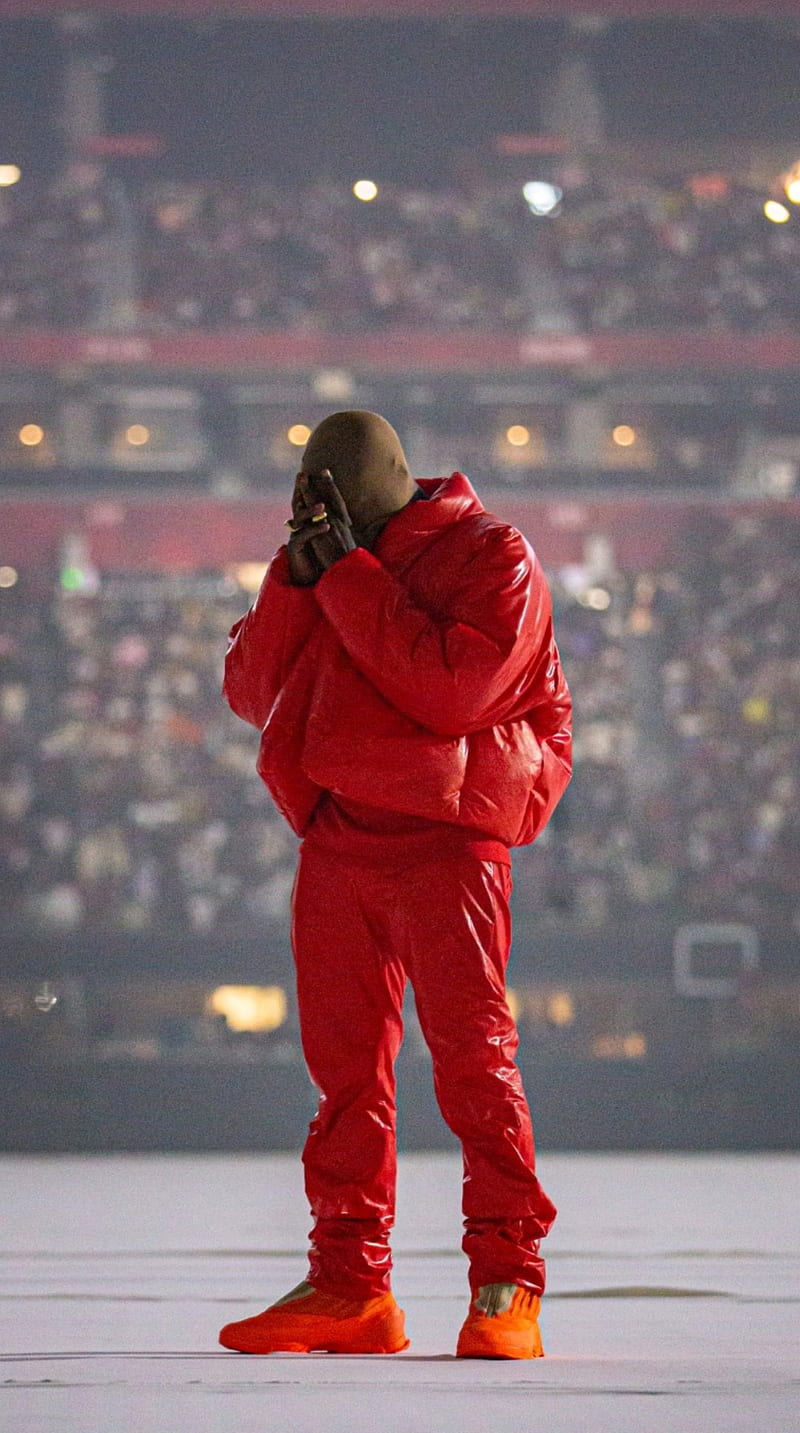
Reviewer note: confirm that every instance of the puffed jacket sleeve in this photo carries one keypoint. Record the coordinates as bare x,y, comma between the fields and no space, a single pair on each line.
264,644
451,674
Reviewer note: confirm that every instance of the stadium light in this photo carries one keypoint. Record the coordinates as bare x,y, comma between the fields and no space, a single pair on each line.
542,198
791,183
365,190
249,1008
299,434
597,599
137,435
560,1008
30,435
518,435
777,213
624,436
8,577
9,174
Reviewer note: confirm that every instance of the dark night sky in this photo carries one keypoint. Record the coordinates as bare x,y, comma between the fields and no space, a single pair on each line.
392,99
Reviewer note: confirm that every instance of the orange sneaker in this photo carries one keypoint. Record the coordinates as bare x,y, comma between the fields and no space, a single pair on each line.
503,1322
308,1319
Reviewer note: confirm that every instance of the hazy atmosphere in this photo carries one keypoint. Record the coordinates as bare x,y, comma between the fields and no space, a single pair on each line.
560,254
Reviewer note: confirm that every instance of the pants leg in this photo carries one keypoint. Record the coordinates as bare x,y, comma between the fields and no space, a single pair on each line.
454,939
350,996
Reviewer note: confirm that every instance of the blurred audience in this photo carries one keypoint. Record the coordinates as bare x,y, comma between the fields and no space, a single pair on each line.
684,253
129,800
128,796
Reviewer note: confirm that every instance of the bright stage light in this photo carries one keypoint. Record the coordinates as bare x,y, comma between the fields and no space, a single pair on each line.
249,1008
30,435
137,435
560,1008
791,183
776,212
518,435
365,190
541,197
596,598
298,435
624,436
8,576
9,174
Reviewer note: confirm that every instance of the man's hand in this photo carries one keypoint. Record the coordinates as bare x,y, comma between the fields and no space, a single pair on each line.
307,515
332,538
321,529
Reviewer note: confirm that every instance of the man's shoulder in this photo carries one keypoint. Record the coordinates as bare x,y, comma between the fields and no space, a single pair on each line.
461,534
485,534
471,560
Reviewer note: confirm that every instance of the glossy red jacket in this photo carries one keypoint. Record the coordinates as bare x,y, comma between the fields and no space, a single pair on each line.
422,677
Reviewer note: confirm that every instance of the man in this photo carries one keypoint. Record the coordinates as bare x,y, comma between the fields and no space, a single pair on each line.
415,724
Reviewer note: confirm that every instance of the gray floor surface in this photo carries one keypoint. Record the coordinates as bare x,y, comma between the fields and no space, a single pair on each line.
673,1304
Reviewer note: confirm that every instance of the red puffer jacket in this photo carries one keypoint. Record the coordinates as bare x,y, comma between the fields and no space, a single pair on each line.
421,678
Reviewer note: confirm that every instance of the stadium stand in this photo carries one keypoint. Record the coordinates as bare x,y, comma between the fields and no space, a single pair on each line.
611,255
129,800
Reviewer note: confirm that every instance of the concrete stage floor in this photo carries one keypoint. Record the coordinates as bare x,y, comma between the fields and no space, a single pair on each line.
673,1301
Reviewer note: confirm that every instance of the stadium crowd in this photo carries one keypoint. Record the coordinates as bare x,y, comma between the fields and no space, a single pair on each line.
129,802
684,800
128,794
609,255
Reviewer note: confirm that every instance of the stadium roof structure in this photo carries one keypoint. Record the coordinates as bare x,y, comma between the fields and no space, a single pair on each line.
402,9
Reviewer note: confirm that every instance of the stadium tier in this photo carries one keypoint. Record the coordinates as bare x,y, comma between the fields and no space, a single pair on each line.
601,257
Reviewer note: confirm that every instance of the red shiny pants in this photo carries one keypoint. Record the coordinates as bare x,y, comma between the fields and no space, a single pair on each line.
358,935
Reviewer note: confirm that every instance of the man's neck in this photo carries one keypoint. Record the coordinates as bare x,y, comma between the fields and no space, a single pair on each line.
368,528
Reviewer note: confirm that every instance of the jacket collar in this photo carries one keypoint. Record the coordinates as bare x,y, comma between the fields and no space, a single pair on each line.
449,500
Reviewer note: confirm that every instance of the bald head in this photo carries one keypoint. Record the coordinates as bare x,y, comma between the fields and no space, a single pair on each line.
366,460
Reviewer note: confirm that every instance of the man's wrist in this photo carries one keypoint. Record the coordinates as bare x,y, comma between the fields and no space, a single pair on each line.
346,561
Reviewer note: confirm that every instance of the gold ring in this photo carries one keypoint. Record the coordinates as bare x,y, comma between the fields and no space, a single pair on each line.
320,517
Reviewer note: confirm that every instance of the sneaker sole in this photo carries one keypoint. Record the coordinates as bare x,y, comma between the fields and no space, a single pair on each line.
522,1345
381,1340
314,1347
